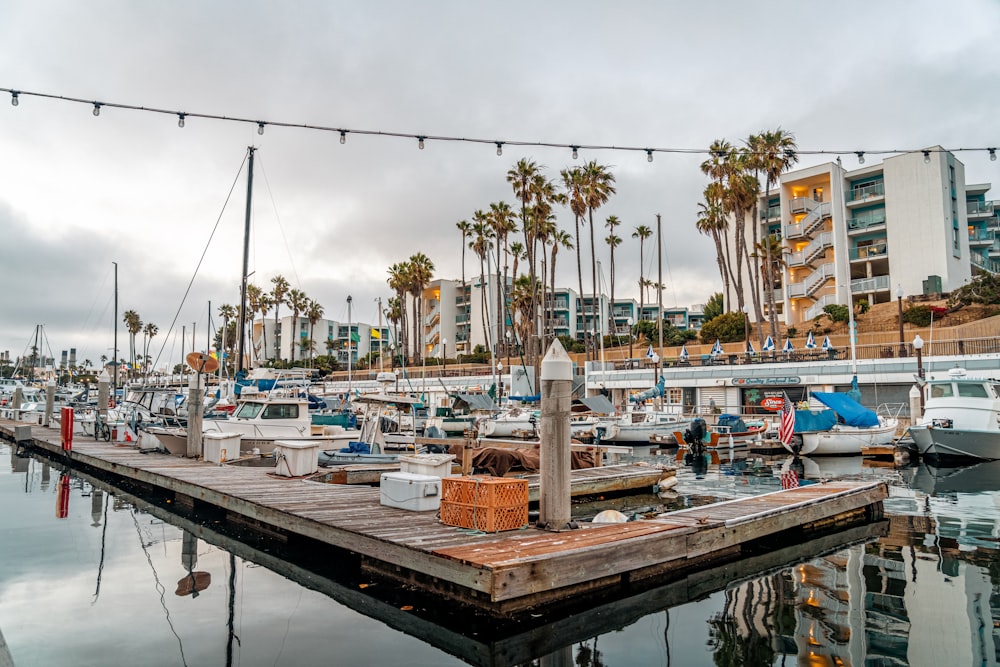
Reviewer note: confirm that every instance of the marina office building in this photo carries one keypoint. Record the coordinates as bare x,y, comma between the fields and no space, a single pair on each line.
909,225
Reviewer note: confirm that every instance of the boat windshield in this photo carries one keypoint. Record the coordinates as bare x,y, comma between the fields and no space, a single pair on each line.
972,390
249,410
942,391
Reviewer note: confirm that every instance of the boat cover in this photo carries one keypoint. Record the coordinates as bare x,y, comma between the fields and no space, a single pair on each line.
652,392
852,412
474,402
814,420
598,403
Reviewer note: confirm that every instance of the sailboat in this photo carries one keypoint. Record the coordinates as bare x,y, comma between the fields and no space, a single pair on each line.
845,427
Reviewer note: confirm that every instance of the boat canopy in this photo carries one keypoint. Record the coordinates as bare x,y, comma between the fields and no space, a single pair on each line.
395,399
598,403
483,402
852,412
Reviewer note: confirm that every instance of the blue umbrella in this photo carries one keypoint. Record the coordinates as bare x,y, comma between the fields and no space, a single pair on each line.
684,353
768,345
826,344
750,348
717,348
810,342
649,353
788,346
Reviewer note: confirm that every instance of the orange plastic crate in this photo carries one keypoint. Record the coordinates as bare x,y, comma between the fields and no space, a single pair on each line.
480,502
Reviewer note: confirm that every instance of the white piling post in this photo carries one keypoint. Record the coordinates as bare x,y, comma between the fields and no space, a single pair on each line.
16,402
194,404
554,449
103,392
50,401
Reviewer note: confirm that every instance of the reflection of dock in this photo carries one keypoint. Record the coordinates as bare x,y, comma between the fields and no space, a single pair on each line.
485,642
501,574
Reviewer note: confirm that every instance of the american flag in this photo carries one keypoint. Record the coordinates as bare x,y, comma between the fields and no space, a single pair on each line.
787,426
789,479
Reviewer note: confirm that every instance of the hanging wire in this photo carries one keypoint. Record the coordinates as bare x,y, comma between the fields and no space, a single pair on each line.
17,94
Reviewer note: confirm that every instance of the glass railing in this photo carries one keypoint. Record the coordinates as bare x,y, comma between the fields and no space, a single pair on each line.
771,212
865,191
984,235
865,220
979,207
875,284
985,263
869,251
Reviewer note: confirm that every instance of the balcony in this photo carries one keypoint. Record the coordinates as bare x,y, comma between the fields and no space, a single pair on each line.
982,238
796,290
867,252
865,193
865,221
874,284
818,277
771,213
795,259
979,209
984,263
817,247
816,309
816,215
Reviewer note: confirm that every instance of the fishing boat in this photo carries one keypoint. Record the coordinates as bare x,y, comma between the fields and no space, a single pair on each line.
843,428
961,418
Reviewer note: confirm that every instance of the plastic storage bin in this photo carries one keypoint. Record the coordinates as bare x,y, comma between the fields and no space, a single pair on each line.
436,465
480,502
408,491
221,447
295,459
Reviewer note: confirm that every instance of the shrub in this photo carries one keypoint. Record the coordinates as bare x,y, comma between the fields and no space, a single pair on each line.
792,332
862,306
837,312
919,316
728,327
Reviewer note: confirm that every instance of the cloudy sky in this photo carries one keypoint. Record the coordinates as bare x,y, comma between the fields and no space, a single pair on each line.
78,193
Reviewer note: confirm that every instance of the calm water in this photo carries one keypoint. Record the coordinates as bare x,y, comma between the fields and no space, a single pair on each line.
117,581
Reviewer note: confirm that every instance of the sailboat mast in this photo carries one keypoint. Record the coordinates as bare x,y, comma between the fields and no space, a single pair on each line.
246,262
659,297
379,300
114,354
349,341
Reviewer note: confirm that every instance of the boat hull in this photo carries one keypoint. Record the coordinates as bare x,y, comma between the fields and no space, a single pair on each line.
940,442
843,440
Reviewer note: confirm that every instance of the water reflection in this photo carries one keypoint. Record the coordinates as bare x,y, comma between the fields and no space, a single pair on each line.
919,587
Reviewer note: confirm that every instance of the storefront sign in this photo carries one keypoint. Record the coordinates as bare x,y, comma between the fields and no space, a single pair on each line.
747,382
772,403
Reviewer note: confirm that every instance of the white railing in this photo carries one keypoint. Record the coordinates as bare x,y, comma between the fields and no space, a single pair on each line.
816,309
815,217
817,246
818,277
874,284
795,259
796,289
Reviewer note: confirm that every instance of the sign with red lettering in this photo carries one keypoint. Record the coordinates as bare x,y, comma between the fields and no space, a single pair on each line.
772,403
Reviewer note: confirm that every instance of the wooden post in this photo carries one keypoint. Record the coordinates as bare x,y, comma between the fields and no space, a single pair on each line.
16,402
50,401
103,391
194,417
554,451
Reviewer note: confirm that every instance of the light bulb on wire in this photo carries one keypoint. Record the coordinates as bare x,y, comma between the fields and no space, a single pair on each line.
13,98
499,148
420,143
576,154
927,157
260,128
343,137
993,154
180,119
97,108
861,157
649,155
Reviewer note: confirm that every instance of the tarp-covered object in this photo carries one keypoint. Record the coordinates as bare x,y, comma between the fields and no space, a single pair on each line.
652,392
814,420
852,412
598,403
473,402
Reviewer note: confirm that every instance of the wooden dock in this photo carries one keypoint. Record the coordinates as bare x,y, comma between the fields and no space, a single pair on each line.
500,574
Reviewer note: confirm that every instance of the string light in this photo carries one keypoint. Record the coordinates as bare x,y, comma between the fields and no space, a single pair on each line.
927,157
420,142
181,116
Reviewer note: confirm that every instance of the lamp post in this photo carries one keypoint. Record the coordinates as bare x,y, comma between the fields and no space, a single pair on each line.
629,320
918,345
899,302
444,354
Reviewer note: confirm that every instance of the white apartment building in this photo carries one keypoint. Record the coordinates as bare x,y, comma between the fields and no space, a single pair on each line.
326,337
909,225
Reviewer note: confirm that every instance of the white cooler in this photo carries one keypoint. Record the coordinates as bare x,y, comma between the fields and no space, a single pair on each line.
219,447
295,458
436,465
405,490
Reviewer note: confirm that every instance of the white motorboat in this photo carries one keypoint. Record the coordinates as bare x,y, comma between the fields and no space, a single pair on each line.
844,429
640,426
961,418
516,422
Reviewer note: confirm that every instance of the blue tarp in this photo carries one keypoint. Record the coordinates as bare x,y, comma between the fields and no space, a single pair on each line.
814,420
652,392
852,412
357,448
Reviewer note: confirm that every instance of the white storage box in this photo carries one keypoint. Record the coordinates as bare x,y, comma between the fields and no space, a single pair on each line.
436,465
295,458
219,447
419,493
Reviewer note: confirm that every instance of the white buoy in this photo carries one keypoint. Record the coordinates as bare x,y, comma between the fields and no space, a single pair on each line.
610,516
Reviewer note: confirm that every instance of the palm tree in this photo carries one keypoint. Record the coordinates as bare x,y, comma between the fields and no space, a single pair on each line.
298,302
773,152
149,332
227,313
524,180
642,232
573,183
466,229
134,325
398,281
481,244
517,253
501,218
394,313
598,186
314,312
254,294
559,238
278,293
421,273
712,222
613,242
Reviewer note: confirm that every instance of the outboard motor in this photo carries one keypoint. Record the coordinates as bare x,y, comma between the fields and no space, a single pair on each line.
695,434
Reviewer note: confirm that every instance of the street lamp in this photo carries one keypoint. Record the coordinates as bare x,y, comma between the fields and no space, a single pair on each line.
629,320
444,353
899,301
918,345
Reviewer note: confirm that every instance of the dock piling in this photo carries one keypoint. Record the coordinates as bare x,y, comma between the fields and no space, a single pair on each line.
50,401
194,417
554,446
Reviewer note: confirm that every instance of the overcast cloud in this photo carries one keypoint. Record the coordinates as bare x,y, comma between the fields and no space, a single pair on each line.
78,192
